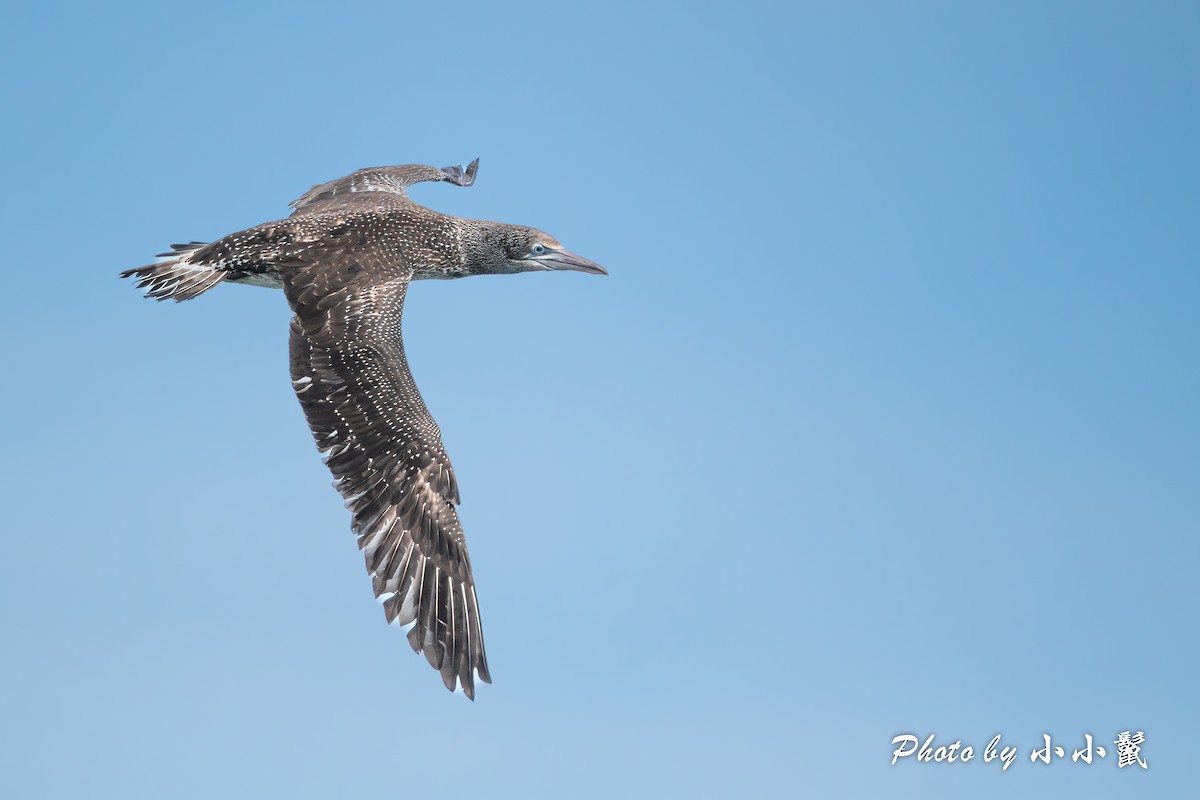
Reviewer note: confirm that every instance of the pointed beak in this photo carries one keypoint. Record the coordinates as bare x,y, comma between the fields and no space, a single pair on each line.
565,259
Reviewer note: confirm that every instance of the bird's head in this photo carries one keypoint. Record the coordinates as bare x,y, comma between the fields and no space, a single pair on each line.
517,248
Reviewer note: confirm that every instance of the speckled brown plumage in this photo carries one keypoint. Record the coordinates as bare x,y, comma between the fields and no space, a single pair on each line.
344,260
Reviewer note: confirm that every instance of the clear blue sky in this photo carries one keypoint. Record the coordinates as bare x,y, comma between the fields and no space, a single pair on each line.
884,422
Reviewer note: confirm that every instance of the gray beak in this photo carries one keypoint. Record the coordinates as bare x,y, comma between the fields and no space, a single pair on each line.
565,259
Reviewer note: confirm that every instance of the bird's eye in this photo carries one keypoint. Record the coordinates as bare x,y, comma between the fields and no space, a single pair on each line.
537,249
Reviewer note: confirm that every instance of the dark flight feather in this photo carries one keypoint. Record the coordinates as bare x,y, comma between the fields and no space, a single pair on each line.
384,449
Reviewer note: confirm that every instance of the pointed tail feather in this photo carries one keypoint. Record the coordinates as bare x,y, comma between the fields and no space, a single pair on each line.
177,279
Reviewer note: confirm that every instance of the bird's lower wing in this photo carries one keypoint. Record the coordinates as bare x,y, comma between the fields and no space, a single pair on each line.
385,451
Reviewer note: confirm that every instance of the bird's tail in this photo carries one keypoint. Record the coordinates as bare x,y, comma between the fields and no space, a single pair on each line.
177,278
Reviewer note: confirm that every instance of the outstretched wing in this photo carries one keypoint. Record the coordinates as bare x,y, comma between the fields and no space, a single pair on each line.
384,449
378,187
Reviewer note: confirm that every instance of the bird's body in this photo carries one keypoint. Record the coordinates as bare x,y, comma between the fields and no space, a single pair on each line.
344,260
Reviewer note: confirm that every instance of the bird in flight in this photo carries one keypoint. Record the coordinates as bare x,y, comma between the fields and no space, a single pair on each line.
344,259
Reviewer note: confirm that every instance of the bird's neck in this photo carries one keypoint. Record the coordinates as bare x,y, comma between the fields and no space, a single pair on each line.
483,248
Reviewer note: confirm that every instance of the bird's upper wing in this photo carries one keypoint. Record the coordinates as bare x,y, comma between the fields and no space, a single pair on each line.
384,449
378,187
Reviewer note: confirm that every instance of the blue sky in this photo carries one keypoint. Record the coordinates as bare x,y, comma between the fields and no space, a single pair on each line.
884,421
